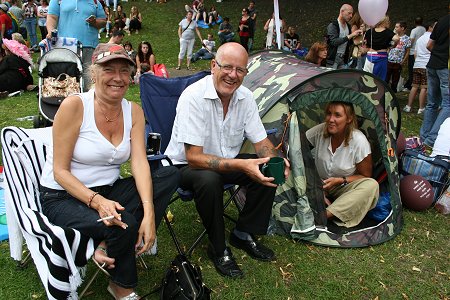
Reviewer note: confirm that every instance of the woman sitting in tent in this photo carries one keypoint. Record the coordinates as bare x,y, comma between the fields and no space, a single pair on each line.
14,68
344,162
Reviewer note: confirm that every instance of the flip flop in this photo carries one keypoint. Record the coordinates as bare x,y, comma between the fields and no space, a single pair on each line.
178,68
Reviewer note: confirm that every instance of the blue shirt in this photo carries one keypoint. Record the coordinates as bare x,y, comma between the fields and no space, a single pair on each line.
72,15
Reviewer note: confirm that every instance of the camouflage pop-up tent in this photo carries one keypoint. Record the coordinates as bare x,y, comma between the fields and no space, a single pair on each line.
294,93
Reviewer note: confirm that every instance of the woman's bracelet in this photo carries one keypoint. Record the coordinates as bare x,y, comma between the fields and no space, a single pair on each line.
91,198
146,201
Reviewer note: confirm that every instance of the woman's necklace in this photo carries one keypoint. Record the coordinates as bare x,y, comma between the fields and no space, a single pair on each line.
109,120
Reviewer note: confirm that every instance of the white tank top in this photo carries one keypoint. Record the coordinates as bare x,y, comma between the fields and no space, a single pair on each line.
95,160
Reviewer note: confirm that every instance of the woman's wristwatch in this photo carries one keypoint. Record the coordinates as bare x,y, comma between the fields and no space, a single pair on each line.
345,181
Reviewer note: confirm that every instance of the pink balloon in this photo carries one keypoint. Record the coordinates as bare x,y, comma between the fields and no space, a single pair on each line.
372,11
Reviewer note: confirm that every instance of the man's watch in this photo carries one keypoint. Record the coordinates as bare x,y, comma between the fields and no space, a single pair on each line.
345,181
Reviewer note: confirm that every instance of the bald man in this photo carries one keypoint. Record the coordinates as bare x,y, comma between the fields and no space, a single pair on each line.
214,115
339,34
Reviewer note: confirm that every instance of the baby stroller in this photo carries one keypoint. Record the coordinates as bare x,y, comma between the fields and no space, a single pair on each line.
60,72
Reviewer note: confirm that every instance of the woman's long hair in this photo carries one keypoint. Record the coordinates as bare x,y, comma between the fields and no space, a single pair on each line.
313,53
350,112
356,20
144,57
134,12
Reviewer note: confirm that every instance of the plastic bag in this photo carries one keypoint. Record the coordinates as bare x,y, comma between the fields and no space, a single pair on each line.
382,209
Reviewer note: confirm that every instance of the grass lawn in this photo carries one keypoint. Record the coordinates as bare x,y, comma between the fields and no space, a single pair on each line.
414,265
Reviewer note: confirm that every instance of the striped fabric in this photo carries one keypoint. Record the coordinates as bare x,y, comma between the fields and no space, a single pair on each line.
59,253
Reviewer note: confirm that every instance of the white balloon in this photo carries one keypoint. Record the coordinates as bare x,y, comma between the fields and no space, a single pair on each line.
372,11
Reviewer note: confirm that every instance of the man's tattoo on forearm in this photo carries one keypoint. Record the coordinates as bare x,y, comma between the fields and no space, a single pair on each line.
214,163
267,151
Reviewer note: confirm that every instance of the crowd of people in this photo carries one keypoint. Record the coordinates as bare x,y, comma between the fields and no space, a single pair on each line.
213,118
385,52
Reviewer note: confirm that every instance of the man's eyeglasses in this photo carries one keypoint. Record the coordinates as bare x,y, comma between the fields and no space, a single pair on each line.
228,69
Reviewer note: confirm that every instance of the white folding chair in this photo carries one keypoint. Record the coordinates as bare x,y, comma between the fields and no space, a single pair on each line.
60,254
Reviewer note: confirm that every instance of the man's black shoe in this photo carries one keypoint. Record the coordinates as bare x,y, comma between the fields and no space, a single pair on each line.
253,248
225,264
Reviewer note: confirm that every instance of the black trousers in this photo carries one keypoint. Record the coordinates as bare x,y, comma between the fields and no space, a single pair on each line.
411,61
64,210
208,189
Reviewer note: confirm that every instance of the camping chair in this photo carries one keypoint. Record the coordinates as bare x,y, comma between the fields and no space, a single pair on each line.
59,253
159,97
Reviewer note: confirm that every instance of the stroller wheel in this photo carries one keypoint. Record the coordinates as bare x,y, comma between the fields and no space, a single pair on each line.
36,121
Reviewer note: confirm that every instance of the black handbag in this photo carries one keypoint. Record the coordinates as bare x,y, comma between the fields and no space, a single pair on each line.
183,281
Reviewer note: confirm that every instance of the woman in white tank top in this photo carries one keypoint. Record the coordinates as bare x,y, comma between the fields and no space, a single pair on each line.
93,134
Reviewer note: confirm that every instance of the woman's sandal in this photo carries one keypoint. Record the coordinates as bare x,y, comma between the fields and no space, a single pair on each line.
178,68
103,265
132,296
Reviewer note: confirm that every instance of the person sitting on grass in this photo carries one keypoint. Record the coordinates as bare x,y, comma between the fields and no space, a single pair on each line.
343,160
135,21
201,11
291,40
129,48
207,51
145,59
120,18
213,16
226,33
15,68
116,37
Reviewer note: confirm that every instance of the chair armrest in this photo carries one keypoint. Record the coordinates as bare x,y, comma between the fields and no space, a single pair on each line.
155,161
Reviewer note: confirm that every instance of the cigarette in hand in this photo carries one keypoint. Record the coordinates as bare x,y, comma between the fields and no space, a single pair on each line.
105,218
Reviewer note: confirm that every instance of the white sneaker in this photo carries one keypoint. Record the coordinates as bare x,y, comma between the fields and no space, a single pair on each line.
407,108
420,111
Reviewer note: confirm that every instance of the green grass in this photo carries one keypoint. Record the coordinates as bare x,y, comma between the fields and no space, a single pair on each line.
414,265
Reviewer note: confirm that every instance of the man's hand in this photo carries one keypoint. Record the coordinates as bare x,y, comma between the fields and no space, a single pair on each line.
91,20
355,34
287,168
251,168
